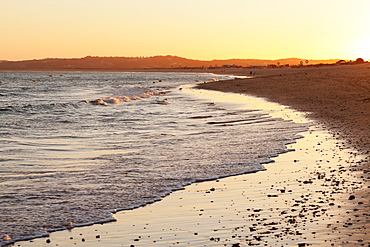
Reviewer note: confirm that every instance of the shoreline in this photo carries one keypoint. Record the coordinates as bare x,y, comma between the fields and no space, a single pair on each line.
355,208
288,204
338,97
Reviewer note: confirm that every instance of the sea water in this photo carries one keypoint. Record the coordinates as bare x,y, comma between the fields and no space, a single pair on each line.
77,146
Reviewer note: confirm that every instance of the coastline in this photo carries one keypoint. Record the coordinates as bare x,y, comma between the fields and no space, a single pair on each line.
295,202
300,200
336,96
310,173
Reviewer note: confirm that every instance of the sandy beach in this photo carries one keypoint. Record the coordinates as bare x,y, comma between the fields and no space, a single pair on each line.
337,96
303,199
185,123
315,195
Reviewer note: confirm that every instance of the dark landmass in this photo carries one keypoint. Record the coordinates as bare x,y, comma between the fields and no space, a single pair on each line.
155,62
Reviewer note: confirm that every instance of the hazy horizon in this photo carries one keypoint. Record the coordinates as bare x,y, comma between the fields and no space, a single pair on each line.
205,60
201,30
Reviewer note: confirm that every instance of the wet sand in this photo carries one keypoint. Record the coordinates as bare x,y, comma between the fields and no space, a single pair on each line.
306,198
316,195
337,96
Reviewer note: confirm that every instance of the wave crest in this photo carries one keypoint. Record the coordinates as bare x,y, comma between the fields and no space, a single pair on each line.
118,99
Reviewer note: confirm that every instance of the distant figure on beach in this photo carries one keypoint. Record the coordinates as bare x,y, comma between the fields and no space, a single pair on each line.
252,73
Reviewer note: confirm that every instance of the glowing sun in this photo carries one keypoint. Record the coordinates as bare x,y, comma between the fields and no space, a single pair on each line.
363,48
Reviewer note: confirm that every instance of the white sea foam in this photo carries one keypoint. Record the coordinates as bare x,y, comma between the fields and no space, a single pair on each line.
64,160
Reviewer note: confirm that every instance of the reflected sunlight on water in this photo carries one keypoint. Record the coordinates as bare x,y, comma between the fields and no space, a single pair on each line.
65,160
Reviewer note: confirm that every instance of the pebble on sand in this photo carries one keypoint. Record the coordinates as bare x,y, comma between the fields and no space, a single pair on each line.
7,238
69,223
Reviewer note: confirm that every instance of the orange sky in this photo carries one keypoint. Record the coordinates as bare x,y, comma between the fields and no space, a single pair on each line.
202,29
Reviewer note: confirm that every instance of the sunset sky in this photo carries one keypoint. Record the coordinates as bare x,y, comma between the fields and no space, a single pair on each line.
197,29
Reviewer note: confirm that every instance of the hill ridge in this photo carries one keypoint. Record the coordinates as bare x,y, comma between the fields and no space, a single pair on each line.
152,62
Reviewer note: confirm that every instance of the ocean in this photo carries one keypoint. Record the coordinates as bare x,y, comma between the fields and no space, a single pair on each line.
79,146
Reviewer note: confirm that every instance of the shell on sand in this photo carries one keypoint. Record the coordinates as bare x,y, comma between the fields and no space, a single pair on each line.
69,223
7,238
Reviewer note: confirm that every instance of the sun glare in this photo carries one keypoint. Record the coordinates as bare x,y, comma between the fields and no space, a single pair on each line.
363,48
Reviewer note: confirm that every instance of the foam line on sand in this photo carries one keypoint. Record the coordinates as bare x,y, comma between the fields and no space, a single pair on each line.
310,197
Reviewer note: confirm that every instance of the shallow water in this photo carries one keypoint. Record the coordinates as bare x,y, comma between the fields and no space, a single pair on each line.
70,152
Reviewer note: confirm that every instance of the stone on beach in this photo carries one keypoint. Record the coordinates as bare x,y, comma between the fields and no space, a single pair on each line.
69,223
7,238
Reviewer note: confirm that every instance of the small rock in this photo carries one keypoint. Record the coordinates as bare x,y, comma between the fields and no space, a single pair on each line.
258,238
352,197
7,238
69,223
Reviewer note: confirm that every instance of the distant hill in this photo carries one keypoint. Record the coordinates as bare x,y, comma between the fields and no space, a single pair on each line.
155,62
